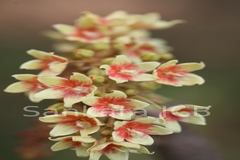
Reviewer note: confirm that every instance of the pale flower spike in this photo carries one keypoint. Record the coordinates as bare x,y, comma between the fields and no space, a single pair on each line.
103,83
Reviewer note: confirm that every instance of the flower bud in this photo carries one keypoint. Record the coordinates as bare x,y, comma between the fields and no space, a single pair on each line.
58,107
83,53
131,92
150,56
107,60
97,79
149,85
95,71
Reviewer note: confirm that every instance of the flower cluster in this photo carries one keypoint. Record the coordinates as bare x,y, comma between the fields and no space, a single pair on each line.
108,70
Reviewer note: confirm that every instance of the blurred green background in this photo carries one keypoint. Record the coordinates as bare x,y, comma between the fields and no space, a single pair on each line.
211,35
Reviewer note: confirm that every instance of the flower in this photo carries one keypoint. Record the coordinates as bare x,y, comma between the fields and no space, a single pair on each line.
174,74
184,113
72,122
122,70
115,150
71,90
115,105
77,143
138,131
29,84
152,21
85,30
49,63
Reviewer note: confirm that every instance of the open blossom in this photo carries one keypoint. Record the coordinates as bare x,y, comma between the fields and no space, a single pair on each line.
72,122
152,21
71,90
123,69
138,131
77,143
184,113
85,30
144,49
115,105
115,150
174,74
29,84
49,63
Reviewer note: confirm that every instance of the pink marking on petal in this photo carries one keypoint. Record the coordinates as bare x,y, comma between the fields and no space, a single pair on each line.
88,34
36,85
168,116
108,148
170,74
69,140
105,105
74,88
125,71
126,130
79,121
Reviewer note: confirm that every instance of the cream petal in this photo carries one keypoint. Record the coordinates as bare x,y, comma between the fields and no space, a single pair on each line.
65,29
116,138
58,68
144,150
63,130
53,81
95,155
93,112
121,59
144,140
51,119
61,146
89,100
148,66
118,124
158,130
81,151
80,78
18,87
118,80
191,66
174,126
122,115
104,66
167,24
70,100
49,94
33,64
169,63
138,104
90,130
39,54
116,94
23,77
83,139
32,98
117,155
196,118
191,79
143,77
147,119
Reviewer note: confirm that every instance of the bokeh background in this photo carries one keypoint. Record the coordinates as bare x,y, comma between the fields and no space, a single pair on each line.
211,35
